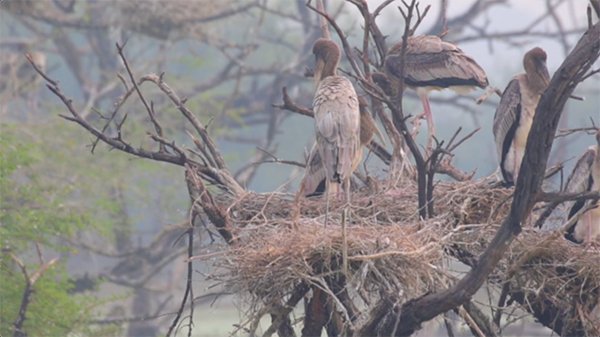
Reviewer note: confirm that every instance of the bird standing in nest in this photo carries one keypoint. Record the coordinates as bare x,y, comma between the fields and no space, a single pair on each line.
314,180
585,178
337,119
337,128
515,112
432,64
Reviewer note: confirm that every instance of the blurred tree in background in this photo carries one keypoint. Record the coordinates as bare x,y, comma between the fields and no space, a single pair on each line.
35,216
113,223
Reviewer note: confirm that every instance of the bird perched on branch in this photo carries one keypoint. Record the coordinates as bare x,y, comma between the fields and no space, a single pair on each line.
337,118
515,113
432,64
313,182
585,178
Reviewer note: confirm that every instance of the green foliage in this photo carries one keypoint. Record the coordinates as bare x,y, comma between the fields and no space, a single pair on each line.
52,311
32,210
29,210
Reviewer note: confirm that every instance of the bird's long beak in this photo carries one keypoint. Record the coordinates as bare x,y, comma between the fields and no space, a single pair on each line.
542,72
319,65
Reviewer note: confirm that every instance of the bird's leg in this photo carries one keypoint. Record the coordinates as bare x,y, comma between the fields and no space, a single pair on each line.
587,220
416,122
328,188
344,242
331,189
347,190
344,232
297,206
429,118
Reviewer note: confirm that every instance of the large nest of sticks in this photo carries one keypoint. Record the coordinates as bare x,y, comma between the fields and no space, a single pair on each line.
281,243
271,261
463,202
547,273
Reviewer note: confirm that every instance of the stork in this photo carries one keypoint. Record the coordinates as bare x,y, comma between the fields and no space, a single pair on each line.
585,178
337,118
313,182
515,113
337,127
432,64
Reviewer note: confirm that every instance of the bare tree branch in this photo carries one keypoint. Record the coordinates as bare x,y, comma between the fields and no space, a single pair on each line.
564,81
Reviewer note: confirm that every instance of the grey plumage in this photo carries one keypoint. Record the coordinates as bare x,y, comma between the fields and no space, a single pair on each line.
314,177
515,112
585,177
579,179
431,62
506,121
337,117
313,182
337,125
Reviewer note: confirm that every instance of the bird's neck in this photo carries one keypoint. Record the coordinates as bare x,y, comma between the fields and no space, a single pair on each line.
330,69
537,79
536,83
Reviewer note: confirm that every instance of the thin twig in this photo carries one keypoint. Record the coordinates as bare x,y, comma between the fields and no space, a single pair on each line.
188,285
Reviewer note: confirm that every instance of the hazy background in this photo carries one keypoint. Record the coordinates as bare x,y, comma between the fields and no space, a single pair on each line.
132,200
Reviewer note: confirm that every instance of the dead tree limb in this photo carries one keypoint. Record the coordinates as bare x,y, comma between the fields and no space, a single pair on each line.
409,316
30,280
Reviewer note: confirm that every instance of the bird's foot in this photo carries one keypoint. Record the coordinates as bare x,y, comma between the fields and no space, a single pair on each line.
591,245
416,122
590,242
429,148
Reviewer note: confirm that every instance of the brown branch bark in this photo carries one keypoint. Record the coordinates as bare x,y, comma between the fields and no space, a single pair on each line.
280,317
372,27
322,22
342,36
315,313
28,291
215,156
202,202
115,142
397,92
188,287
410,315
149,108
596,5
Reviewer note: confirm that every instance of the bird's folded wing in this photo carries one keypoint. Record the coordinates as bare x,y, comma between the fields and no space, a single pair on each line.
580,178
337,124
429,61
314,173
506,117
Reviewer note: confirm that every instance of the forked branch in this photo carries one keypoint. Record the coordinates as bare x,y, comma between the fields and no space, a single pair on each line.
408,317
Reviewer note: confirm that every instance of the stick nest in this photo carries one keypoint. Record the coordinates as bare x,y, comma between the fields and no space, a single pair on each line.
281,244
